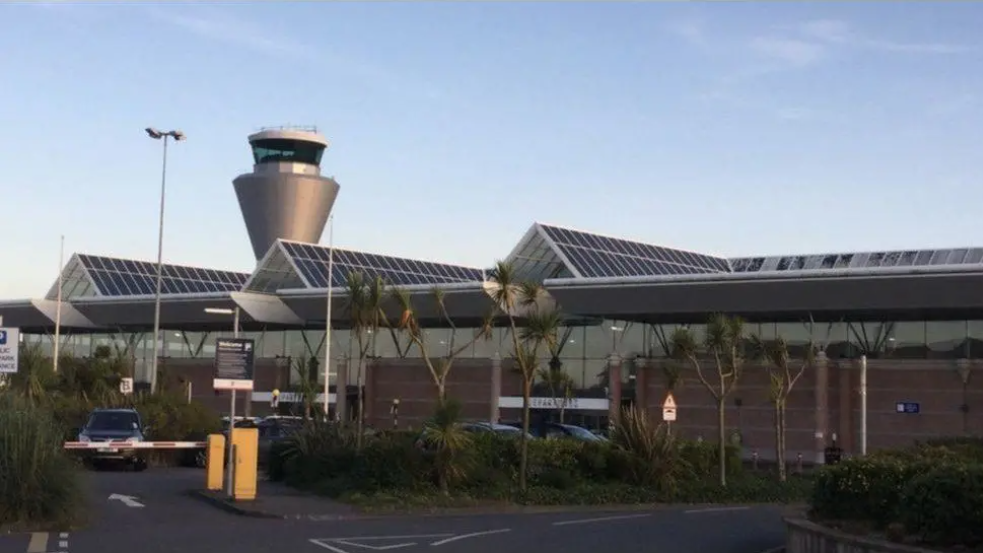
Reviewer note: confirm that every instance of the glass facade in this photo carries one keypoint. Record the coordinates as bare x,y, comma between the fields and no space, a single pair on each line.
583,350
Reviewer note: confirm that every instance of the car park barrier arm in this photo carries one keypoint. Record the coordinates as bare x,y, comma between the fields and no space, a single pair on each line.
135,445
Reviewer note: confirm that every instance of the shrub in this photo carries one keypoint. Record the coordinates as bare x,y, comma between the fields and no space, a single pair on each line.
865,489
653,456
702,457
39,483
945,505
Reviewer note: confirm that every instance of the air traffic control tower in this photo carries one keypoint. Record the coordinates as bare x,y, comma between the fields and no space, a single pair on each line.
285,196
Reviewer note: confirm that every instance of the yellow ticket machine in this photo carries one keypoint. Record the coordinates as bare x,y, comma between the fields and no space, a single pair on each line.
215,462
244,475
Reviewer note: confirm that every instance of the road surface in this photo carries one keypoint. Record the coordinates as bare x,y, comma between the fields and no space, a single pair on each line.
149,513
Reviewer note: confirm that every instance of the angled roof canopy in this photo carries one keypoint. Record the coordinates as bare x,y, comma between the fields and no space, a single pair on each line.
292,265
90,275
549,252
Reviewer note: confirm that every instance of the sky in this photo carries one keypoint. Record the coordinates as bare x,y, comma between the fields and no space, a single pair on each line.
726,128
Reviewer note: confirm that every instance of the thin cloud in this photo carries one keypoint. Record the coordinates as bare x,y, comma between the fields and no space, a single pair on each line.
690,31
796,53
837,32
218,26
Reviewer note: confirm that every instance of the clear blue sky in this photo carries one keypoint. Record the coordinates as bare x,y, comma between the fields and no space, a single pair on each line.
725,128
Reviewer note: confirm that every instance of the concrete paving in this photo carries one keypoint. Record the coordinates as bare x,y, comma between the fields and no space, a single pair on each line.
151,513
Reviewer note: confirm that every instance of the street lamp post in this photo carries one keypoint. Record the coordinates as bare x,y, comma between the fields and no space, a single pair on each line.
340,387
160,135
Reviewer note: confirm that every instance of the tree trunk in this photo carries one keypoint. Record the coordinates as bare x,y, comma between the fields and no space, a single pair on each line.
524,439
779,446
722,438
441,392
361,408
782,433
563,410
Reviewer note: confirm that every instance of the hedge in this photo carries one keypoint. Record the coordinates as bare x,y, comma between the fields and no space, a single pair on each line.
933,491
322,458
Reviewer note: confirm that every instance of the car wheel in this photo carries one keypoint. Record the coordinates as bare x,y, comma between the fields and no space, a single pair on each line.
139,465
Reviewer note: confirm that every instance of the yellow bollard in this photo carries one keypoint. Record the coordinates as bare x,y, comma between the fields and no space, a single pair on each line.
215,462
246,442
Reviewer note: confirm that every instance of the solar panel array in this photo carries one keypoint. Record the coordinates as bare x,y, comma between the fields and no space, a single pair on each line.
312,261
867,260
125,277
596,256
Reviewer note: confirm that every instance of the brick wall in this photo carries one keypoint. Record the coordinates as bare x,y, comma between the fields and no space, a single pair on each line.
934,384
268,374
409,381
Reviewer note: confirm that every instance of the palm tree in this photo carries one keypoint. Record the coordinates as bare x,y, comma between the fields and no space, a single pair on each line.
509,295
444,436
439,365
559,384
361,315
783,378
724,344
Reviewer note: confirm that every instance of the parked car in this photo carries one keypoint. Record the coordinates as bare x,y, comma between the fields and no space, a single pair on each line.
114,425
553,430
273,430
480,428
501,429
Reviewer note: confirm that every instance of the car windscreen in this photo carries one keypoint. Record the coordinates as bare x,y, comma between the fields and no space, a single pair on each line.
582,433
115,421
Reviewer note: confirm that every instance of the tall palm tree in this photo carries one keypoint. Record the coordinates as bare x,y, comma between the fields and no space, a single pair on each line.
510,295
724,344
783,378
438,363
360,319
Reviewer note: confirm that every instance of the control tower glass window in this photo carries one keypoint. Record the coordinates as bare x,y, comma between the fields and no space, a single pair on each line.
276,150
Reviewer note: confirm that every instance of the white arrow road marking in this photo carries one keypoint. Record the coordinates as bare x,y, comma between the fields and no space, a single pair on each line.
127,500
38,543
601,519
326,543
471,535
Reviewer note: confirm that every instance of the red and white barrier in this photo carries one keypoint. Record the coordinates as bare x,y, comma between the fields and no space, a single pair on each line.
135,445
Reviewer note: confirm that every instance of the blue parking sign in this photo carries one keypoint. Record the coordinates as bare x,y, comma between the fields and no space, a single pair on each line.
3,337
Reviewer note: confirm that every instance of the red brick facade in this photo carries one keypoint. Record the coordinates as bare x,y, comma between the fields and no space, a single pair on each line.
936,385
267,375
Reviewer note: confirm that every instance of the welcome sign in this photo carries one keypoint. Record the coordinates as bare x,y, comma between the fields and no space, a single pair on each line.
9,350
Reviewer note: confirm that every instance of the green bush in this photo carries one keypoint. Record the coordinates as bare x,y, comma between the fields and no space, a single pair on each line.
39,482
945,505
702,457
933,489
865,489
641,464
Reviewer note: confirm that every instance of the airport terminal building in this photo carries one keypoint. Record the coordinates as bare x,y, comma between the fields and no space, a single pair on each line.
917,316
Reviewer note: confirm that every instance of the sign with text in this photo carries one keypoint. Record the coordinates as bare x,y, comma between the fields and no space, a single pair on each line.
126,386
908,407
669,409
9,350
234,358
573,403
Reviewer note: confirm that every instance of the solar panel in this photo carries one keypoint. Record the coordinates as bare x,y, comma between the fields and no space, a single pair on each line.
597,256
860,261
312,261
126,277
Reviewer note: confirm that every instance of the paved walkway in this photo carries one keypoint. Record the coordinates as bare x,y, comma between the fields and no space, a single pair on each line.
276,500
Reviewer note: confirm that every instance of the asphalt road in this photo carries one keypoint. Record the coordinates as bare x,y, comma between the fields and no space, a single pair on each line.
167,521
